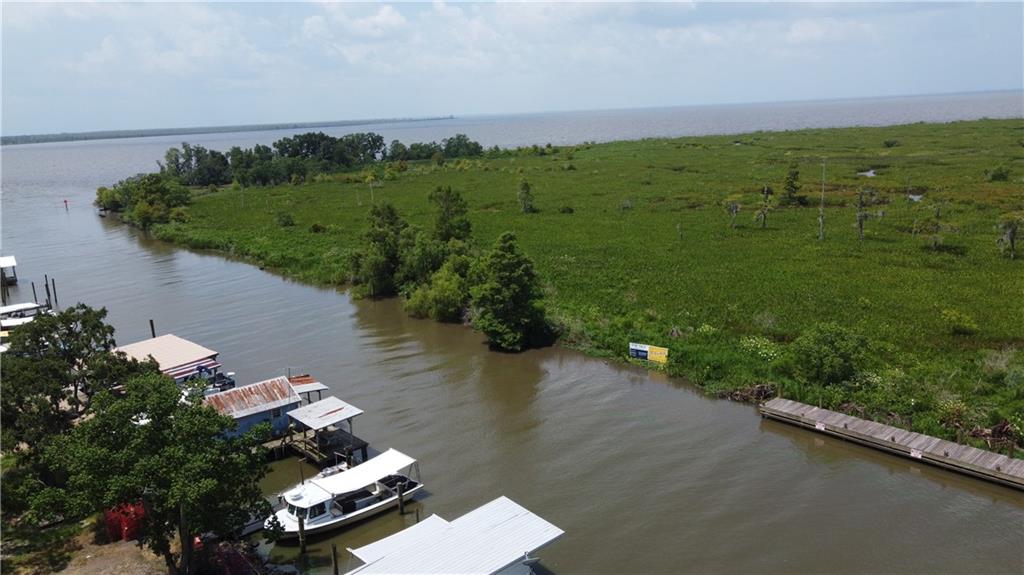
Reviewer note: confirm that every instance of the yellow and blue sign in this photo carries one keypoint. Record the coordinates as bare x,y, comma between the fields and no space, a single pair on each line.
648,352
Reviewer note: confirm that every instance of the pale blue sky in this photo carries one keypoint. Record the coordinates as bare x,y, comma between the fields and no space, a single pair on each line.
76,67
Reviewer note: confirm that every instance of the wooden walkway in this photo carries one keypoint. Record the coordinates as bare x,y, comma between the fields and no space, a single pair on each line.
963,458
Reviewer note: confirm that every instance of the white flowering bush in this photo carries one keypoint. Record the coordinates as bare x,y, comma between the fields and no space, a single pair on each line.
761,347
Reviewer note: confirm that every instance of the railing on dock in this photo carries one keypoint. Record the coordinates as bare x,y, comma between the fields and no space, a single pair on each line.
957,457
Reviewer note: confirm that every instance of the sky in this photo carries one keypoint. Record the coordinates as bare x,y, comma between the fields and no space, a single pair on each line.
104,66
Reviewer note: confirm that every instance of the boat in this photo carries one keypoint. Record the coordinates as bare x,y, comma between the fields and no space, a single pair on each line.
330,502
12,316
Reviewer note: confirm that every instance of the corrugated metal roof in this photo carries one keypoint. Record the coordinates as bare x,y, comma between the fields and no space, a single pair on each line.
8,262
485,540
169,351
328,411
429,528
254,398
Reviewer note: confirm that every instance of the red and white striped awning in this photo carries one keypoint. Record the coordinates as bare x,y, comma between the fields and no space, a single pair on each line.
182,371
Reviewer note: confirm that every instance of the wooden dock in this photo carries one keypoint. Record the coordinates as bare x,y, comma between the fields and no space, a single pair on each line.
954,456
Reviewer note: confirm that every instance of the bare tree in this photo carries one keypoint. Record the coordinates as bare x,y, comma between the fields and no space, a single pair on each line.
821,208
766,206
1010,226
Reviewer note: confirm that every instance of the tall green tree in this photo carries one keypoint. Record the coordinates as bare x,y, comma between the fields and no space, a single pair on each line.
507,300
791,188
450,221
171,454
374,264
525,196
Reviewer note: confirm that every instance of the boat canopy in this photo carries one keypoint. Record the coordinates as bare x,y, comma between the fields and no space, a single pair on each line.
19,307
321,489
176,356
8,262
488,539
323,413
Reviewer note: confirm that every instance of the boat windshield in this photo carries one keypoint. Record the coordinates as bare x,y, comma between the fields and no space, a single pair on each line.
297,512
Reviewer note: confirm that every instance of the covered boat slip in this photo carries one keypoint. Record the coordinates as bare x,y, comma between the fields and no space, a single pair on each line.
494,538
8,269
177,357
329,443
320,489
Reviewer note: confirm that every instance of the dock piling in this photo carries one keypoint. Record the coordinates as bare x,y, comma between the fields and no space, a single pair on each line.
54,282
35,299
334,558
152,328
46,284
302,535
401,497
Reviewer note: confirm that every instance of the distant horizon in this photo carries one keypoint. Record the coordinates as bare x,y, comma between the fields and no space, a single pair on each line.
286,124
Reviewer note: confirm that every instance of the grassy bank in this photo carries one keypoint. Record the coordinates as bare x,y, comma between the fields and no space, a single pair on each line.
634,243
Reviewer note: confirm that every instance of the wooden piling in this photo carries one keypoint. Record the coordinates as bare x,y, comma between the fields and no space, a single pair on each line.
54,282
401,497
302,535
34,298
152,328
334,558
46,284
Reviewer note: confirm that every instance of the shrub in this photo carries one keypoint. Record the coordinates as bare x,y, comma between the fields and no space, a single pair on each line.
828,354
958,322
445,297
566,210
891,143
317,228
999,174
285,220
180,215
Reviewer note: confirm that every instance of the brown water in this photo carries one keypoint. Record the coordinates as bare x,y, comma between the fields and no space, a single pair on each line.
644,473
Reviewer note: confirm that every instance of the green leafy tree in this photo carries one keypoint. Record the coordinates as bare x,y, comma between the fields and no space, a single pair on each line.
374,265
828,354
507,299
450,220
173,455
791,188
446,297
525,197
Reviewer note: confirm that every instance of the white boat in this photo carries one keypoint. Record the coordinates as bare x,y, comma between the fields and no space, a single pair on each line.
328,502
12,316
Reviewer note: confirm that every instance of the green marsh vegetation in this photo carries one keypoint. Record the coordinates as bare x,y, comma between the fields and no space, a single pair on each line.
726,250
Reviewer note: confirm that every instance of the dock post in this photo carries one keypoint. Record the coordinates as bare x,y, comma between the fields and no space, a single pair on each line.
401,496
302,535
152,328
46,284
34,298
417,515
54,282
348,457
302,474
334,558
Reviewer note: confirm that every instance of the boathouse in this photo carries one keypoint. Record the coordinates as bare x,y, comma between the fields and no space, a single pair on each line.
330,442
264,401
496,538
180,359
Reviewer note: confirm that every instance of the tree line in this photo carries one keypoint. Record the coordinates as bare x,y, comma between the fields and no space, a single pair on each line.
296,158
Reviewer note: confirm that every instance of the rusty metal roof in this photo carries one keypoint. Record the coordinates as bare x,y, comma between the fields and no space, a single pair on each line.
254,398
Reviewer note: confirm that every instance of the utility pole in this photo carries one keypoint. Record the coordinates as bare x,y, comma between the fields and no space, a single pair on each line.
821,208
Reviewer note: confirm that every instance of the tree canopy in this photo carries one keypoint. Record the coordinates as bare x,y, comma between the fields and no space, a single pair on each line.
507,299
450,221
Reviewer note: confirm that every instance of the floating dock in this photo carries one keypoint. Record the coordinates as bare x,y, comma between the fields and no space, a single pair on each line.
954,456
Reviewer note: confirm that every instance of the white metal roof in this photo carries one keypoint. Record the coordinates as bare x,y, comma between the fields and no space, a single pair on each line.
328,411
169,351
8,262
15,321
486,540
19,307
308,387
430,528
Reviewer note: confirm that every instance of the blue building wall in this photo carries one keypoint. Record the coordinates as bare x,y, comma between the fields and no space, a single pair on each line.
278,424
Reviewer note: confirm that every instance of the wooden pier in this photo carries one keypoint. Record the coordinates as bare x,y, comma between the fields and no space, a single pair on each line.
954,456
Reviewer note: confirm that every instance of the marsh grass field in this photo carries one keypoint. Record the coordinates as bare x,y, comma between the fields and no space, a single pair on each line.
633,242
